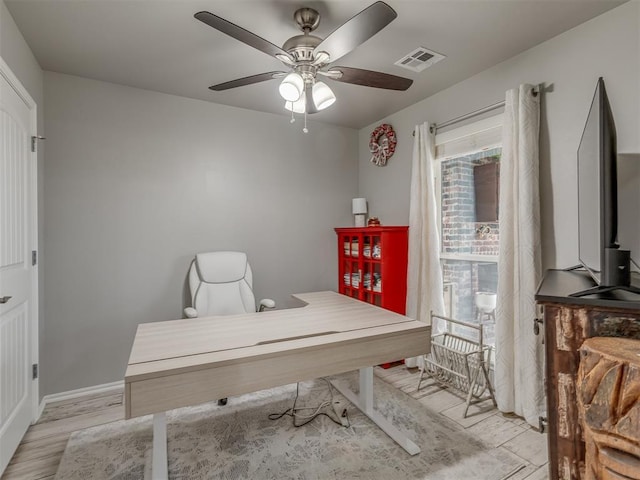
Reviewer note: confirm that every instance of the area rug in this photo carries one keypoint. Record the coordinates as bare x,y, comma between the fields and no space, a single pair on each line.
239,441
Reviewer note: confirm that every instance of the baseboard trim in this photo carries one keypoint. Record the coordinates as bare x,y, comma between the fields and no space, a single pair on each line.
80,392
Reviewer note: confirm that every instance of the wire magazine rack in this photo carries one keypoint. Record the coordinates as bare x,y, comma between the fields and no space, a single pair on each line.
460,362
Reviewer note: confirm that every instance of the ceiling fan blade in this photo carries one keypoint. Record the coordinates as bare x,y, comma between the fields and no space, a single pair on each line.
310,107
241,82
357,30
239,33
369,78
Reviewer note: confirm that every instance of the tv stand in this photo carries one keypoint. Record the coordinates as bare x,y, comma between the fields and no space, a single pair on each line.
605,289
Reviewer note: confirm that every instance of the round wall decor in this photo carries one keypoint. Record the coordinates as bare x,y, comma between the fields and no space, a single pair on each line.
382,144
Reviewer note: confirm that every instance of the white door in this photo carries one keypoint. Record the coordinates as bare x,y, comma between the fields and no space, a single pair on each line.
18,280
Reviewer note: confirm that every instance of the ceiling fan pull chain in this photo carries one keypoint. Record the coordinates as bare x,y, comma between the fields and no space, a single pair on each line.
305,129
293,119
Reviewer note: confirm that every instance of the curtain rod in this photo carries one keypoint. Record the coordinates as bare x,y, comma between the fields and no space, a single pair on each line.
475,113
466,116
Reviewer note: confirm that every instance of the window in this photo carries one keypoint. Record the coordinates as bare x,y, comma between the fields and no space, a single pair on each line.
467,177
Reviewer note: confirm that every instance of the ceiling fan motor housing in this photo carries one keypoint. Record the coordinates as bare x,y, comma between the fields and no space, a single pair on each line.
301,47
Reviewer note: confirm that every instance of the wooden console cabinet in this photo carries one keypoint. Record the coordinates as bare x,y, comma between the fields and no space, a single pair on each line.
609,407
568,321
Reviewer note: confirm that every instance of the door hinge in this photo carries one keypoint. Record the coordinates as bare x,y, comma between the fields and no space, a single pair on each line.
34,141
34,257
34,371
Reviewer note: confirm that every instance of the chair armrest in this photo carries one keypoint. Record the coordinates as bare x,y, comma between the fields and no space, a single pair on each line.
266,303
190,312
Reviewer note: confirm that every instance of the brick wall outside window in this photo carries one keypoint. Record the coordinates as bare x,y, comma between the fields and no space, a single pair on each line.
461,234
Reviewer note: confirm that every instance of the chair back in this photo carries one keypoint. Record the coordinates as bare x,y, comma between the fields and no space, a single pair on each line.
221,283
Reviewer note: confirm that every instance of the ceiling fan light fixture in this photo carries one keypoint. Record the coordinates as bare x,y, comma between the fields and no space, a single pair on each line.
299,106
292,87
323,96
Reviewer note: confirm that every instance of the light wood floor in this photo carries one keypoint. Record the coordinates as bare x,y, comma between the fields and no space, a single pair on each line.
40,452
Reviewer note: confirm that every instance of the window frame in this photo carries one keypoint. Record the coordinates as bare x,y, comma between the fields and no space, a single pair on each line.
470,130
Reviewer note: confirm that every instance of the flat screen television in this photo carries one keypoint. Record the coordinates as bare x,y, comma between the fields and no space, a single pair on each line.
598,251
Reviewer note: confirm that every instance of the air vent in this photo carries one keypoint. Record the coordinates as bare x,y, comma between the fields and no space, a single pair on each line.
419,59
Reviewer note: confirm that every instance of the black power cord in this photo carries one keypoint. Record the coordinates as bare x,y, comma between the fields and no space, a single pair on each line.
295,412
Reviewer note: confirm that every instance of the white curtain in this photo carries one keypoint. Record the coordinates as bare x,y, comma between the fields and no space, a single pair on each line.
519,353
424,274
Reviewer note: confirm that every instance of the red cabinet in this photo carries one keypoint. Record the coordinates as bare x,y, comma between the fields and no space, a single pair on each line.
373,265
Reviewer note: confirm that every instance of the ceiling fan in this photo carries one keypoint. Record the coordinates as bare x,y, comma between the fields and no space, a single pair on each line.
308,56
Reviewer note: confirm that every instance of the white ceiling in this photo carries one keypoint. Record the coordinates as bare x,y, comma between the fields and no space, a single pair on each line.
158,45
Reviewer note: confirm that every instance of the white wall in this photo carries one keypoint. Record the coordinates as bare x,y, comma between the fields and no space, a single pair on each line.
571,63
137,182
17,54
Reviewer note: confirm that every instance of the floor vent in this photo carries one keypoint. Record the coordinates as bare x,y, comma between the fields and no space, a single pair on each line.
419,59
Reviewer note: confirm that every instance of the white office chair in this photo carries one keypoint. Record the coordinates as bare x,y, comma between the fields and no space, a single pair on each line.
221,283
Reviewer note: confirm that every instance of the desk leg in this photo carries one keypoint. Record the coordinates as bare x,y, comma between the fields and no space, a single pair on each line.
366,390
159,468
364,402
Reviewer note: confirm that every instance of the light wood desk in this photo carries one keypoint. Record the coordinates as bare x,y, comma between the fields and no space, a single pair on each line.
186,362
